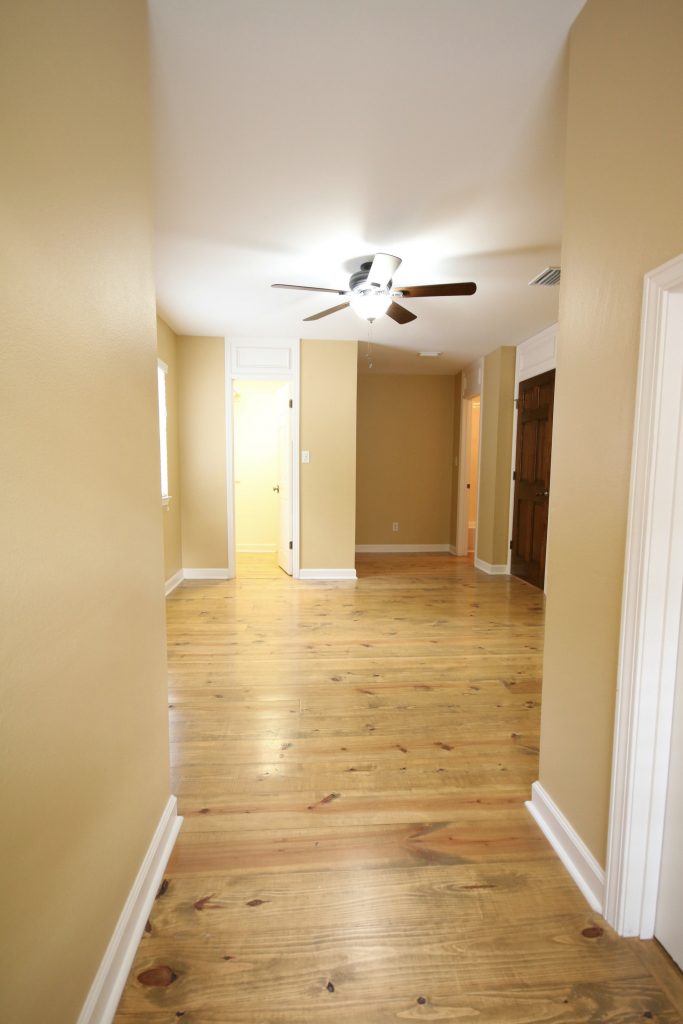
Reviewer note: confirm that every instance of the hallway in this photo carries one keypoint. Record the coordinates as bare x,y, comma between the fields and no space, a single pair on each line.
352,760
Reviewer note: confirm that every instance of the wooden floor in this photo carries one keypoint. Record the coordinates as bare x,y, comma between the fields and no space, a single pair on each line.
352,761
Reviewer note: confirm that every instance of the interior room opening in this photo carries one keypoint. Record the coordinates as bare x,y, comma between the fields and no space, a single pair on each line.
262,460
473,478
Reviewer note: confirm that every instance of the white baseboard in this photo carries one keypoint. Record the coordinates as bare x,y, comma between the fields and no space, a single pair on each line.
327,574
206,574
452,550
174,581
492,570
256,549
105,991
568,845
388,549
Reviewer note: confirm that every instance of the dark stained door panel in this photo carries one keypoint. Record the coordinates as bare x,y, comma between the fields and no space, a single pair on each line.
532,477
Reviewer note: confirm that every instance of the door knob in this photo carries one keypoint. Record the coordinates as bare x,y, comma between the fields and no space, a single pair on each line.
542,494
277,488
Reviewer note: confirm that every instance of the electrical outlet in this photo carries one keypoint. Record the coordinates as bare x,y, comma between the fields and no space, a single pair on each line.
394,527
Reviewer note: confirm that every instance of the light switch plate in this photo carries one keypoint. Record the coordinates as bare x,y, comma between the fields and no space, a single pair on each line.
305,456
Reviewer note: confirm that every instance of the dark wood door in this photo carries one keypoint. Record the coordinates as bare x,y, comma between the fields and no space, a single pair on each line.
532,477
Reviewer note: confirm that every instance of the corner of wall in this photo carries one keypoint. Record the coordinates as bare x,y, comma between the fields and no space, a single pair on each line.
329,371
202,451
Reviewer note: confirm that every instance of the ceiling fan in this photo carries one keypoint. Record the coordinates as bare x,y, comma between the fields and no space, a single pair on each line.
371,292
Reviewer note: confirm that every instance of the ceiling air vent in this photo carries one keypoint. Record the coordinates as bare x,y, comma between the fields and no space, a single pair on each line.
549,276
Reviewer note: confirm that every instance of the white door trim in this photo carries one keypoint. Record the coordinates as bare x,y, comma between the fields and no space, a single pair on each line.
472,385
651,609
534,356
261,359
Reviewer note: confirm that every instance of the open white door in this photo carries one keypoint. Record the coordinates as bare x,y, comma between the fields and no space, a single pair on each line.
284,431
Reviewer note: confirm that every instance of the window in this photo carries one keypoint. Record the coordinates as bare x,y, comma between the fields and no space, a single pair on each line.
162,370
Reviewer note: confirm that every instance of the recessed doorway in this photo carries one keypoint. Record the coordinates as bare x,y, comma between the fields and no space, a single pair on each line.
262,476
473,473
531,478
468,475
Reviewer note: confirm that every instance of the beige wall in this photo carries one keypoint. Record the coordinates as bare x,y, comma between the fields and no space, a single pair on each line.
623,217
328,431
256,418
167,349
83,692
455,457
497,413
405,455
201,408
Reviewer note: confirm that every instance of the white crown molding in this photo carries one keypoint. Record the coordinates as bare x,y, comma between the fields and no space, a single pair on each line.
105,991
568,845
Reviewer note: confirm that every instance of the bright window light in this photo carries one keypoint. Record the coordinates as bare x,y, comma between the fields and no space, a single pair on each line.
162,370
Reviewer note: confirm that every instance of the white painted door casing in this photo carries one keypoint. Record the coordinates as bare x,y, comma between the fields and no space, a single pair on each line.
651,614
285,468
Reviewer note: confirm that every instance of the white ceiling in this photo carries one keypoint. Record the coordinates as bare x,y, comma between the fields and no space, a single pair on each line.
294,136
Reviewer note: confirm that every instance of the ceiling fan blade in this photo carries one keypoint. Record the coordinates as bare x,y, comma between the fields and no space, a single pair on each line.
424,291
326,312
382,270
400,314
310,288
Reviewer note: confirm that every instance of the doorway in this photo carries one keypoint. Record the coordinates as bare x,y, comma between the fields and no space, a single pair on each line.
468,459
531,479
262,480
472,471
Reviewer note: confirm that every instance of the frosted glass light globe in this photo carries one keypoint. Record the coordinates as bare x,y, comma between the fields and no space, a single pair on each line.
370,305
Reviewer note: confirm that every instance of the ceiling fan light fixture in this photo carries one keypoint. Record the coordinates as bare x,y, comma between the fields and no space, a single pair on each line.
371,292
370,305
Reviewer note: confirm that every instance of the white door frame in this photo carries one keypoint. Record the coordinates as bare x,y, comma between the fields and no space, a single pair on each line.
472,385
262,359
651,612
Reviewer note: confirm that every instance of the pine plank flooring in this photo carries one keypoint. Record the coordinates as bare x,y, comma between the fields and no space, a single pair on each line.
352,761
